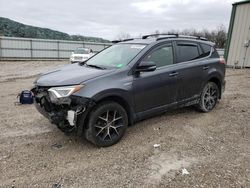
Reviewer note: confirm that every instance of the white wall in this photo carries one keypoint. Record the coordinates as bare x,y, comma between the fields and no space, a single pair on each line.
240,33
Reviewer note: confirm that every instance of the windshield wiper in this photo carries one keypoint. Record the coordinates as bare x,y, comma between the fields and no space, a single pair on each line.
95,66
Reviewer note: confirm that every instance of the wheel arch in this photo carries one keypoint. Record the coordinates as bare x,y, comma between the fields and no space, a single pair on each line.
122,101
217,81
120,96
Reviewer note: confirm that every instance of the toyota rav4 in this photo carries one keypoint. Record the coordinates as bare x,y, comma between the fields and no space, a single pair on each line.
130,81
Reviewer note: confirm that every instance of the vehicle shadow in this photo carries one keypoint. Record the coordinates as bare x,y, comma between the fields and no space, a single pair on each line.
169,114
75,141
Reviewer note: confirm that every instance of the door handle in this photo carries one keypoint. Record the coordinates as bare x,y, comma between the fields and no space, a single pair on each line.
173,74
205,67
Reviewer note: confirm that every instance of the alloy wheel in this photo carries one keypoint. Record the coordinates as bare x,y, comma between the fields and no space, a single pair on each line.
210,97
108,125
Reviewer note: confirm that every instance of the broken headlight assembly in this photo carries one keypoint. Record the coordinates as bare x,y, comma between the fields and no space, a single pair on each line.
65,91
61,94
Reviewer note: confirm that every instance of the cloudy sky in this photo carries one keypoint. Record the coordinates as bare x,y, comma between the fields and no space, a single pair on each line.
110,18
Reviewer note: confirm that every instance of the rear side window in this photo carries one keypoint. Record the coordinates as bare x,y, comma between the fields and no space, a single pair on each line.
162,56
214,54
206,50
187,52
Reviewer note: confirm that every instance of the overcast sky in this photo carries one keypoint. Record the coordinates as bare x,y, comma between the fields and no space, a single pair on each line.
109,18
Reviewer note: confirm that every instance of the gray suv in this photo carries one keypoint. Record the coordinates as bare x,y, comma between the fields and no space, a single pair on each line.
130,81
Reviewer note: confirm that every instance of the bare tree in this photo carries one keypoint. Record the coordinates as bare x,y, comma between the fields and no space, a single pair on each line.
122,36
218,35
221,36
157,32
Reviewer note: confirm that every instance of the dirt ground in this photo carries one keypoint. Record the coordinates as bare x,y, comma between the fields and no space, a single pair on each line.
213,147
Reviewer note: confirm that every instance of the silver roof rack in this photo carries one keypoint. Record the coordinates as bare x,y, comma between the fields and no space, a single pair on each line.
173,35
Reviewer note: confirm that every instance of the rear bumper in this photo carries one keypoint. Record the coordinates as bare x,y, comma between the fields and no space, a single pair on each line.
78,61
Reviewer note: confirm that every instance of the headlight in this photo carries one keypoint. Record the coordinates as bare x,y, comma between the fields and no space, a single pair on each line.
59,92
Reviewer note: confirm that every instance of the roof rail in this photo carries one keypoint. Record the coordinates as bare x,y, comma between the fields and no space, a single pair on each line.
173,35
127,39
157,35
124,40
115,41
166,36
184,36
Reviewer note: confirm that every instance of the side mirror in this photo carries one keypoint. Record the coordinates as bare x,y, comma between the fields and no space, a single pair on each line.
146,66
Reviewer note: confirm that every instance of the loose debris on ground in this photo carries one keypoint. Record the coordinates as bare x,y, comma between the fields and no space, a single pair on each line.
214,147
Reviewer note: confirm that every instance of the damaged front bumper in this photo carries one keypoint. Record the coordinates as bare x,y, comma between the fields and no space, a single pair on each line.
63,112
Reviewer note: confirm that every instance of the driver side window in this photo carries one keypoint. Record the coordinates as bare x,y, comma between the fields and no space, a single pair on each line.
161,56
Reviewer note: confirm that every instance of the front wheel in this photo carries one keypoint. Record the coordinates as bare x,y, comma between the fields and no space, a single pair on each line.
209,97
107,124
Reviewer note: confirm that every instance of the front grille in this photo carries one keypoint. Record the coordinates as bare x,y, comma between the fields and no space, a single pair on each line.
42,97
39,89
77,58
45,104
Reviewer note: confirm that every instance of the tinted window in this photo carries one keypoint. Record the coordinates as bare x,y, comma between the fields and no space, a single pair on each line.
187,52
214,53
162,56
206,50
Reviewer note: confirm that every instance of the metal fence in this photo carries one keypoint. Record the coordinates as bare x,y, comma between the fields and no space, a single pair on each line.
12,48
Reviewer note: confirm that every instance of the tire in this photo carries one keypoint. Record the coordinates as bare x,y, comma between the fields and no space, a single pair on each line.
107,124
209,97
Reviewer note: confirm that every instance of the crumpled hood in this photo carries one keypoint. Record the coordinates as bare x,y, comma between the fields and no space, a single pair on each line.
69,75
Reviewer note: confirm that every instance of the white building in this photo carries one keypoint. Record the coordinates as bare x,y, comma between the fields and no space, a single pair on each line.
238,44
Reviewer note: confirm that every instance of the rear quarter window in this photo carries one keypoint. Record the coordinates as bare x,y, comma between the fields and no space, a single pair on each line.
206,50
215,54
187,52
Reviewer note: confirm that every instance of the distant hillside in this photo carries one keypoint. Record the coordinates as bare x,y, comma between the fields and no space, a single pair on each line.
10,28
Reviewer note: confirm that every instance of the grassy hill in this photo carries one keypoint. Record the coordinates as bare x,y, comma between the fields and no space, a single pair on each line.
10,28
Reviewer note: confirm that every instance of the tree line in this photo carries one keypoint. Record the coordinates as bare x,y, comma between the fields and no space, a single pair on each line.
218,35
10,28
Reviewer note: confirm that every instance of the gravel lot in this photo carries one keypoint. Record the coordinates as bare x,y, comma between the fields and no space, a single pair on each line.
213,147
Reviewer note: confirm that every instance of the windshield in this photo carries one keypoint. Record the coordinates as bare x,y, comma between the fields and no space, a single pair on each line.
81,51
116,56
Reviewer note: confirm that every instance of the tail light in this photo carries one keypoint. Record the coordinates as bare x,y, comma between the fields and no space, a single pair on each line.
222,60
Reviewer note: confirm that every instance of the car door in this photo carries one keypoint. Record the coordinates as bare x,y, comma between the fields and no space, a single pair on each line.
157,88
191,66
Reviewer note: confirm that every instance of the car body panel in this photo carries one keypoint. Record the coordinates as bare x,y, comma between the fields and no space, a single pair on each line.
70,75
152,89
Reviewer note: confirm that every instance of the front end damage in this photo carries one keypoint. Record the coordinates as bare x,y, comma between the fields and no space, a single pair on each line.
64,112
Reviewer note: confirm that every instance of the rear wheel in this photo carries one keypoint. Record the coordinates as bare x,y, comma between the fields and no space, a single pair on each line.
107,124
209,97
